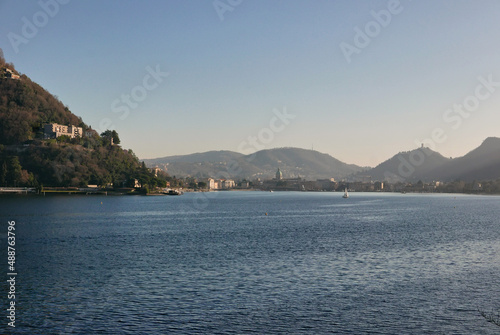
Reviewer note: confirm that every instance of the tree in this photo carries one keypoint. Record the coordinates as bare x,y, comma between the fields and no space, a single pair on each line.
32,182
106,135
3,174
14,171
116,139
64,139
2,58
109,135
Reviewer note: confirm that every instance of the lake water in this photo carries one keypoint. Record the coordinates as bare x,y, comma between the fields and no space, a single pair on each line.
217,264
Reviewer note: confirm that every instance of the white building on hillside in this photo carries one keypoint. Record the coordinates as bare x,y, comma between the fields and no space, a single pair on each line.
54,130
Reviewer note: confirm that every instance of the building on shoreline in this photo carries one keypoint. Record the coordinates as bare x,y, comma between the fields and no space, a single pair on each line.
220,184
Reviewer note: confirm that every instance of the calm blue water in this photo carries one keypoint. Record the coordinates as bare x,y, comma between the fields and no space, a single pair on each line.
315,264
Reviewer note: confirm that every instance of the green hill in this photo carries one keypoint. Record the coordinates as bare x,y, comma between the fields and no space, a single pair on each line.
25,107
413,165
293,162
27,159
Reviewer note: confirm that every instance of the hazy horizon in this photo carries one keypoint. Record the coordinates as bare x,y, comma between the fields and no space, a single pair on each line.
358,80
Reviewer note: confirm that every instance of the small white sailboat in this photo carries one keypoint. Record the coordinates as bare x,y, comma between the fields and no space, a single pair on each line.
346,195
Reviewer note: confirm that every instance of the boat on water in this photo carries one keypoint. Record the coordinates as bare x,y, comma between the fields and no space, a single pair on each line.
346,195
173,192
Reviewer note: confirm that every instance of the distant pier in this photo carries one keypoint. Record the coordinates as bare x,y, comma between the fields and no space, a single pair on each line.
17,190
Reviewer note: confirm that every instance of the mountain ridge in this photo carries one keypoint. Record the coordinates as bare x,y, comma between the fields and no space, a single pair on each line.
410,165
481,163
209,156
424,164
293,162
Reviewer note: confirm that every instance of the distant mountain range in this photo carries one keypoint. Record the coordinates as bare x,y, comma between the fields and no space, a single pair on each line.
482,163
293,162
414,165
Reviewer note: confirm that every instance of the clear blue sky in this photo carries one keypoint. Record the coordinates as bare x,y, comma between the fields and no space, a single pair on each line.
228,71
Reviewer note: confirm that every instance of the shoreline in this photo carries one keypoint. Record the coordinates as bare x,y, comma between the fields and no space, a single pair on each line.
23,191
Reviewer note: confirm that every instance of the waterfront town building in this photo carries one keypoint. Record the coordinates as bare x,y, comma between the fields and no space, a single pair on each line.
220,184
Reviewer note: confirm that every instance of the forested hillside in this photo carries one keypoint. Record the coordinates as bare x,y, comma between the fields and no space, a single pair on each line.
25,107
27,159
